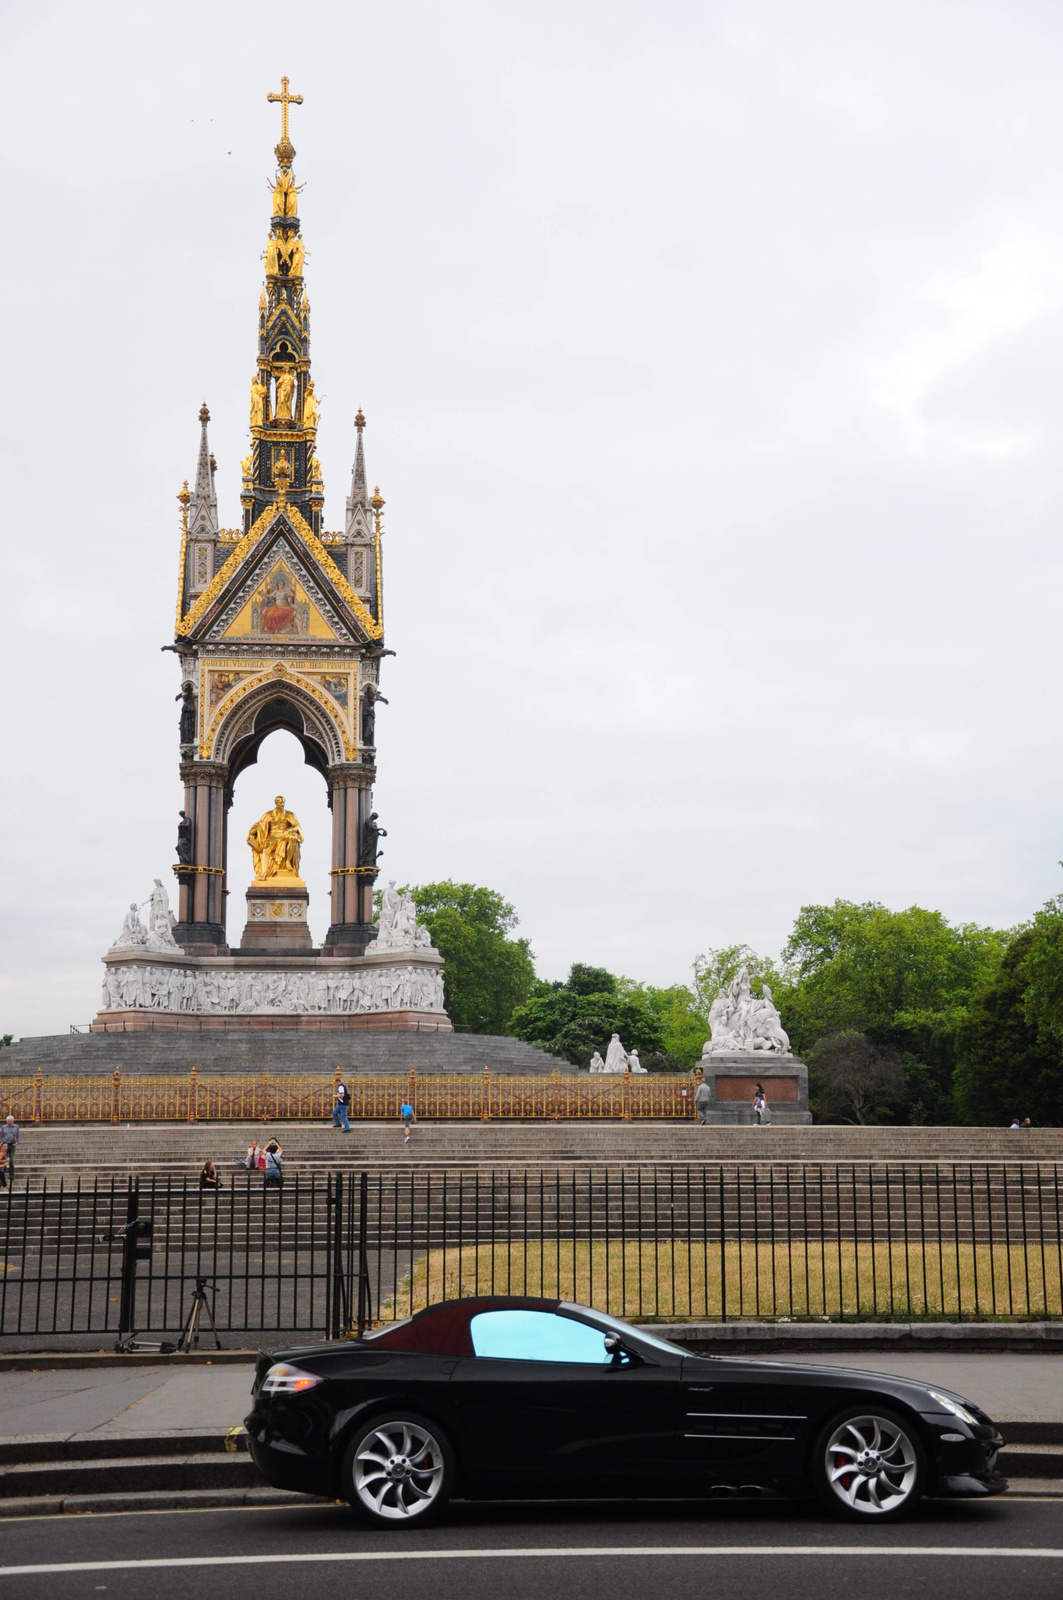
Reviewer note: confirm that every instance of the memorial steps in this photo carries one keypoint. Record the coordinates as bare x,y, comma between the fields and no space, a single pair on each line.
253,1049
104,1150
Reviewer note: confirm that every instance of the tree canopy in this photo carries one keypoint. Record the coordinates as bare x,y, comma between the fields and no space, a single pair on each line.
573,1020
486,973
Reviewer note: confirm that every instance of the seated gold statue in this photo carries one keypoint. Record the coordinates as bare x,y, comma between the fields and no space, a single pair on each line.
275,839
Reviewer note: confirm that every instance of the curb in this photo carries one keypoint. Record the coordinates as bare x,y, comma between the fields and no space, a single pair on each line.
1040,1338
153,1500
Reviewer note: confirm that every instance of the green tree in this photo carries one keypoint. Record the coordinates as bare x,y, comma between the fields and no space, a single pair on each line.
714,972
1041,966
904,979
571,1021
1008,1067
852,1080
6,1038
486,973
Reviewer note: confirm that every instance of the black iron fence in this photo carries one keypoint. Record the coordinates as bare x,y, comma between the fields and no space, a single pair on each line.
713,1241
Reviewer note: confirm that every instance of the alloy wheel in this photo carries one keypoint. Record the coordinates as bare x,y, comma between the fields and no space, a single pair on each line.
398,1470
871,1465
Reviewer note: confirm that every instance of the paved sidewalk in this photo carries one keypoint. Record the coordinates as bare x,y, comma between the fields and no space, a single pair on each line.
150,1400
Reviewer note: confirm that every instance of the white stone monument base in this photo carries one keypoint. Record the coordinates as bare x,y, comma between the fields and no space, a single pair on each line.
153,989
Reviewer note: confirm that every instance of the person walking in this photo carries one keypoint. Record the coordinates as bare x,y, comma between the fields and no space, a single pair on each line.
339,1110
702,1101
9,1138
409,1117
273,1177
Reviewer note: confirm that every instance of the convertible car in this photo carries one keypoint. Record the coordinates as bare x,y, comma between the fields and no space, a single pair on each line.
501,1397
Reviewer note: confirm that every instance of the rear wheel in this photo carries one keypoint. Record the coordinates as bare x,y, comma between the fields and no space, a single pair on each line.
869,1465
398,1470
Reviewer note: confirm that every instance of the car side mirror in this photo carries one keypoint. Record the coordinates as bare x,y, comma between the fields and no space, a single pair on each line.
618,1351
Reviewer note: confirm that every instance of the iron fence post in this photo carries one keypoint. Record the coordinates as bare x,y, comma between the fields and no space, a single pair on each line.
127,1305
365,1297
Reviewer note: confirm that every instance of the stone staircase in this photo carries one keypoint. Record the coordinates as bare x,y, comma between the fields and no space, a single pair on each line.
274,1050
101,1151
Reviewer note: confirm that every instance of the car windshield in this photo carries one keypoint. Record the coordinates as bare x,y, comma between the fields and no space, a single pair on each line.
601,1319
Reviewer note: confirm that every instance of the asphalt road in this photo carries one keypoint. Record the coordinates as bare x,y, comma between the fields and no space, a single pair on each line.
959,1551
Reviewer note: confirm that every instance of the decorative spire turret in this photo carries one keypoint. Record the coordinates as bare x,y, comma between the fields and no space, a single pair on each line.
284,406
203,508
358,524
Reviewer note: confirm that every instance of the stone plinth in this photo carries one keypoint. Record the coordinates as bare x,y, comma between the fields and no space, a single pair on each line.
276,916
395,989
733,1080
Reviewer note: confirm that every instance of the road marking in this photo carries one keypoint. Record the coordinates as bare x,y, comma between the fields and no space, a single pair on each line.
536,1554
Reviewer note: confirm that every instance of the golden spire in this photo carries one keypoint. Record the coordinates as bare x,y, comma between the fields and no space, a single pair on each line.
285,151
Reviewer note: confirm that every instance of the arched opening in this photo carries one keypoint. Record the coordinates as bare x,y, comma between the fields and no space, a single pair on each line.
278,761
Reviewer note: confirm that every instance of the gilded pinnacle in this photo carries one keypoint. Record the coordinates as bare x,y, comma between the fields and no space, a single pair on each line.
184,496
204,414
378,502
359,420
285,149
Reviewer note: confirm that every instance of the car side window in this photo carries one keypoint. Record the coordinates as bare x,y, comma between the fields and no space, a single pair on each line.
536,1336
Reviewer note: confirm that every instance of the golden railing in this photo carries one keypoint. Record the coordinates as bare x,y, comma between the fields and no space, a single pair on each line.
465,1097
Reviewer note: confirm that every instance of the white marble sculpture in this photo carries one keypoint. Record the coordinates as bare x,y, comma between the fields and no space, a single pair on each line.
160,920
133,935
398,928
597,1064
143,985
742,1023
633,1062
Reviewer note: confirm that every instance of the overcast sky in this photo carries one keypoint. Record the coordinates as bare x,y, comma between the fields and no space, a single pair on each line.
711,355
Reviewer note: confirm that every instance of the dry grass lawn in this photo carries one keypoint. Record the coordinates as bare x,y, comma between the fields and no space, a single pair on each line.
677,1281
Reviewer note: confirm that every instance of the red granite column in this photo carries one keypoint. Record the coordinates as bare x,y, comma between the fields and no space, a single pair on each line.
201,924
352,922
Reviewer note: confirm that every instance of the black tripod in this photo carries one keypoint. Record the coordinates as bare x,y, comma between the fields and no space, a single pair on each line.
189,1339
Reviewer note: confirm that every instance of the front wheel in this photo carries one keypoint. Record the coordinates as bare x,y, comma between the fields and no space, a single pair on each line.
869,1464
398,1470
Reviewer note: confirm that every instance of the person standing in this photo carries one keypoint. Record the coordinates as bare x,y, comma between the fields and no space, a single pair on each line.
759,1104
339,1110
409,1117
702,1101
273,1176
9,1137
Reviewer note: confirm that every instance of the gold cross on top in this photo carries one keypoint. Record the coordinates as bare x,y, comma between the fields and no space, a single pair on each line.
285,99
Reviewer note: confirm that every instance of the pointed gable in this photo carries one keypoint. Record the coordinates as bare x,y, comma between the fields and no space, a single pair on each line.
280,566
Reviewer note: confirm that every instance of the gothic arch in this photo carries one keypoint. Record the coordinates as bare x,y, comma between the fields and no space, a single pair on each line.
280,703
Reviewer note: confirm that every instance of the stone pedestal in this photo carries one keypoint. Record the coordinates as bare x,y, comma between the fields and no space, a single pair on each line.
733,1080
276,916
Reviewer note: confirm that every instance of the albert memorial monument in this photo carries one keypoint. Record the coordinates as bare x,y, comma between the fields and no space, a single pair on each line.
280,625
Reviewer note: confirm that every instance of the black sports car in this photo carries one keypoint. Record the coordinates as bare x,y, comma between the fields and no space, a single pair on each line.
502,1397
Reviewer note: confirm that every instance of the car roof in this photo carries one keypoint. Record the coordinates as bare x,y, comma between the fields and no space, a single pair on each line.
443,1329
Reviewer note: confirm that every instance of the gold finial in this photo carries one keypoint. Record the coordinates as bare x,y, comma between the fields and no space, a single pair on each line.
204,414
378,502
281,475
184,500
359,420
285,151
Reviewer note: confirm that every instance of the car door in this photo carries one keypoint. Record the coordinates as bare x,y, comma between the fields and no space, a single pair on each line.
744,1422
543,1406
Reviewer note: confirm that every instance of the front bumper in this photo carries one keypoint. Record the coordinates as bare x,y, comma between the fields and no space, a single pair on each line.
965,1486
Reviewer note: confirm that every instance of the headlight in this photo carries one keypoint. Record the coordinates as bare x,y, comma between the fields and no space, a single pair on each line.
286,1379
953,1406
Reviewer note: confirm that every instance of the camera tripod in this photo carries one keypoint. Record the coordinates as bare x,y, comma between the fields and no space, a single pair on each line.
189,1339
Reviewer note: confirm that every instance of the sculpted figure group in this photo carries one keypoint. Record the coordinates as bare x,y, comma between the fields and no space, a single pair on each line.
617,1059
143,986
398,928
742,1022
158,935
